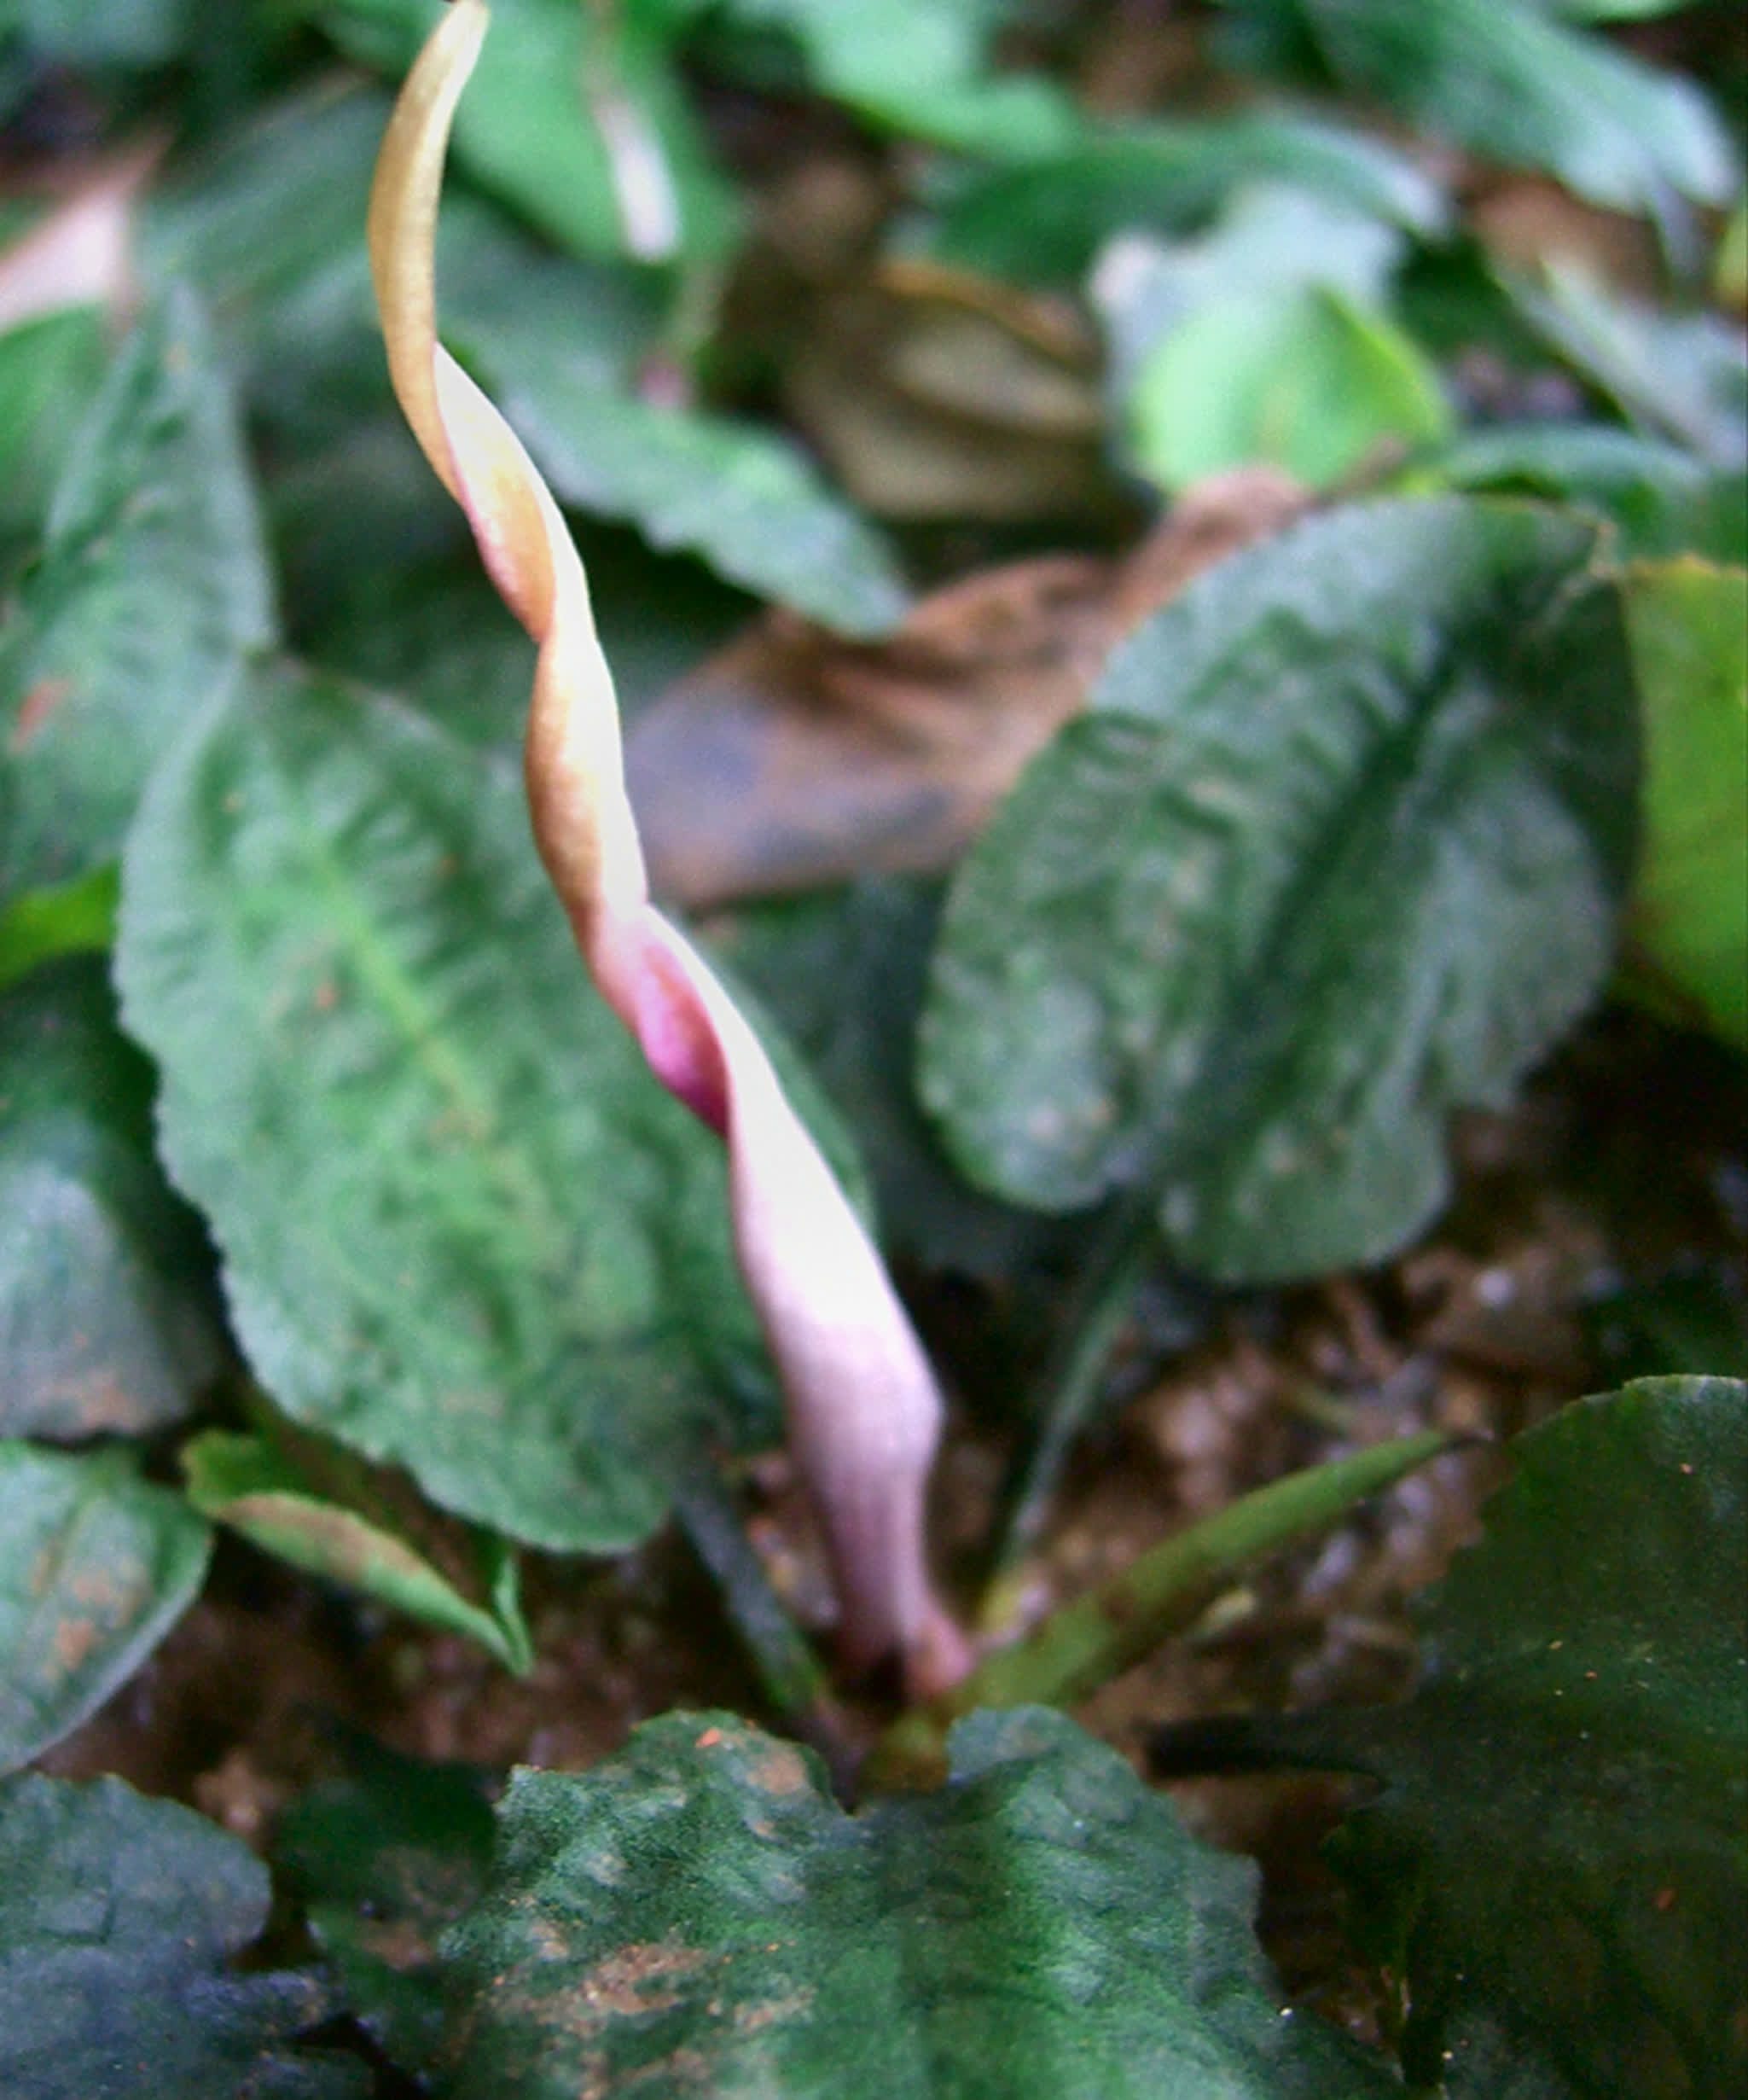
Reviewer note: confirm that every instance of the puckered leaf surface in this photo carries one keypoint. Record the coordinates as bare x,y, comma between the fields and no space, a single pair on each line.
698,1914
463,1229
1336,849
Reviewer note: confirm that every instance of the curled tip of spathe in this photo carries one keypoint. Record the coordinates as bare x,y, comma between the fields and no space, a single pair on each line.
863,1409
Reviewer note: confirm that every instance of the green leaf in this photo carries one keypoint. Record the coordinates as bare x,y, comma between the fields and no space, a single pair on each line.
103,32
151,591
1661,499
260,1489
386,1859
464,1231
744,498
1308,381
1336,849
1687,930
70,918
107,1317
1265,339
1685,375
95,1566
568,106
1499,77
48,370
1044,223
697,1914
118,1920
1556,1867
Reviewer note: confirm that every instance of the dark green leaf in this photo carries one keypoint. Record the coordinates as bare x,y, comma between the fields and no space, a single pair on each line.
1688,931
1556,1867
386,1859
95,1566
107,1317
1502,78
262,1491
698,1914
1661,499
1336,850
464,1230
119,1918
151,591
1046,222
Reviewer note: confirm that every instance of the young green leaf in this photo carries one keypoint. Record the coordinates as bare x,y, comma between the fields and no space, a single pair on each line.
258,1488
697,1914
109,1320
1687,930
1336,849
49,368
464,1231
118,1920
151,591
385,1860
95,1566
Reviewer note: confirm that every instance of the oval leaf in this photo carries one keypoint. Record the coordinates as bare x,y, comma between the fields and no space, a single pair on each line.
97,1565
108,1316
245,1482
463,1229
1337,850
119,1918
151,591
698,1914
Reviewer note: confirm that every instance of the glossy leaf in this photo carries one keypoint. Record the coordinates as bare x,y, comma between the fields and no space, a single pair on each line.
260,1490
385,1860
151,591
120,1918
464,1231
1336,849
1688,931
108,1316
698,1914
97,1565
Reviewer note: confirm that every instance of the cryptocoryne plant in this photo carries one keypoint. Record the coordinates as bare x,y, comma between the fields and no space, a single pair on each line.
863,1409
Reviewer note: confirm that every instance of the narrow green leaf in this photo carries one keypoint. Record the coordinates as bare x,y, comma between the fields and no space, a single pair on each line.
464,1231
97,1565
1336,850
245,1482
385,1860
151,591
1687,930
1084,1644
120,1918
698,1914
107,1315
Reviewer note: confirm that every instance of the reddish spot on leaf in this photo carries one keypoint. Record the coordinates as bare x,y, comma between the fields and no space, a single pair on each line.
35,709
